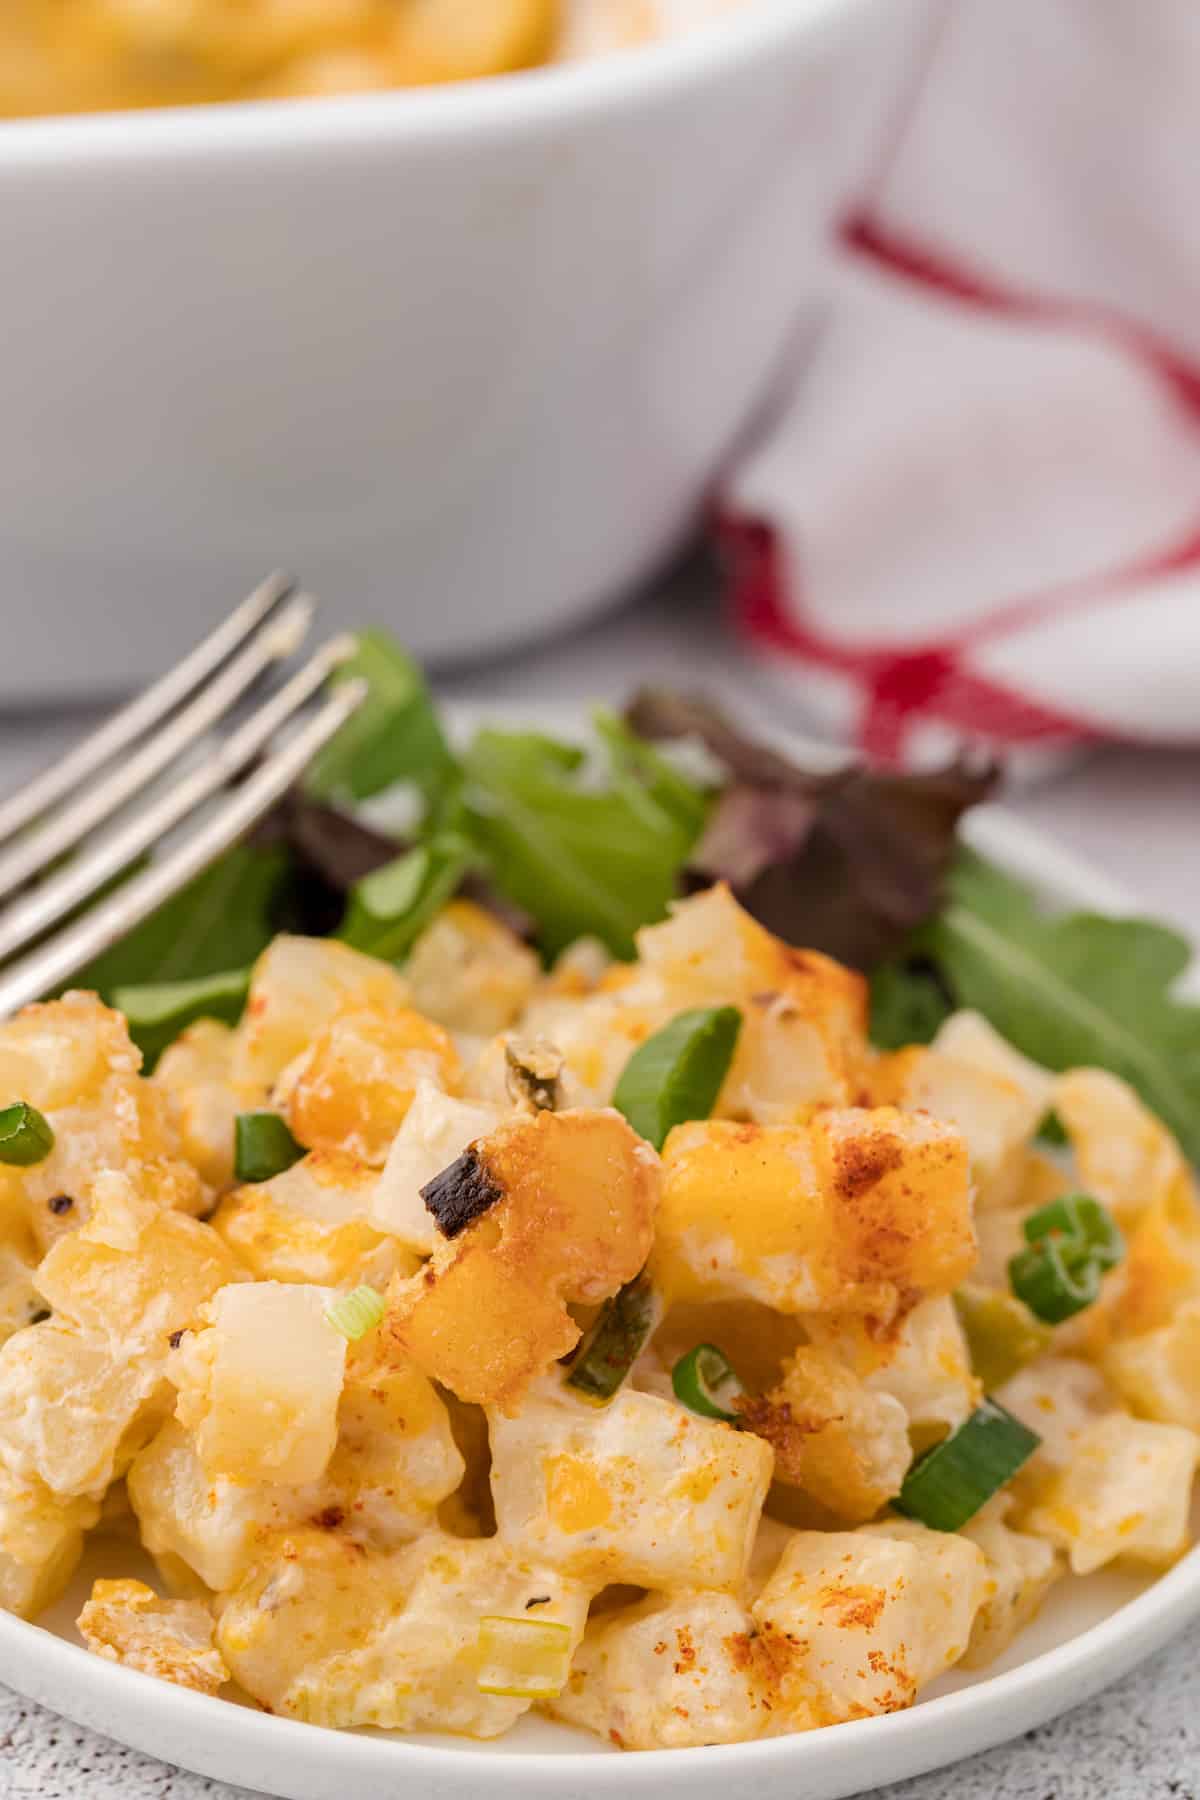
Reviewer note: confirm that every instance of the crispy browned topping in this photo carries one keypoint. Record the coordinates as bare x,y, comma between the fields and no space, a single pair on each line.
461,1193
784,1430
860,1163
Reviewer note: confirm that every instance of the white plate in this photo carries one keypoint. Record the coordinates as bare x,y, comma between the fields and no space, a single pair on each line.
1090,1633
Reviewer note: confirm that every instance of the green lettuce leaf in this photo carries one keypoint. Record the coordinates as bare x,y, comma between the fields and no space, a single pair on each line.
585,851
390,908
218,922
1073,989
394,736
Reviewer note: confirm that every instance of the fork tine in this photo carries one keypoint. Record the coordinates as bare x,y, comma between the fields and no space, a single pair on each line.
145,710
45,968
25,919
63,830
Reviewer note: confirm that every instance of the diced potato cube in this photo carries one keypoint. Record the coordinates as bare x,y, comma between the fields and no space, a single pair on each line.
1158,1373
59,1053
260,1388
637,1491
568,1216
803,1039
1125,1154
72,1414
863,1620
854,1212
211,1524
1060,1398
41,1538
126,1622
395,1461
310,1224
1020,1571
671,1673
471,973
437,1128
1160,1273
970,1078
396,1458
832,1436
1126,1492
104,1116
339,1638
923,1362
350,1090
298,987
134,1273
197,1072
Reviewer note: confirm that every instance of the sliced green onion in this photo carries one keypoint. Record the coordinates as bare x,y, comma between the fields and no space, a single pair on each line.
1002,1333
25,1135
1079,1217
356,1313
615,1341
1072,1243
676,1075
262,1146
948,1485
523,1659
707,1383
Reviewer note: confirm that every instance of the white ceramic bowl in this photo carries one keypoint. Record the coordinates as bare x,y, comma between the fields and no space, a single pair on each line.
1090,1632
467,357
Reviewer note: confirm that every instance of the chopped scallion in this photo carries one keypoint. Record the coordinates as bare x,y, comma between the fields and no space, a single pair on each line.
948,1485
356,1313
677,1074
616,1340
707,1383
262,1146
523,1659
26,1136
1072,1243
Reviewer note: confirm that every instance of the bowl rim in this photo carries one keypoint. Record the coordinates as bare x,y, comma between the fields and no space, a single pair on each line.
541,99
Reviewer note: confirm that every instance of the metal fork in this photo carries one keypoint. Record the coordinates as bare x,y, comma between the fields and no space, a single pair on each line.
115,774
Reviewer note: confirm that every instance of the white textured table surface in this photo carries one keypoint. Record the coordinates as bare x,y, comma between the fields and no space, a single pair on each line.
1136,815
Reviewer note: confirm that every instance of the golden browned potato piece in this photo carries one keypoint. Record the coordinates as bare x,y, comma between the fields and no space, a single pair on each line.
310,1224
351,1089
564,1211
845,1444
126,1622
857,1211
298,986
73,1059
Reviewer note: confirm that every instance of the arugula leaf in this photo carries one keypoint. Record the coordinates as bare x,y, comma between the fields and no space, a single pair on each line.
394,736
157,1012
220,921
909,1001
671,790
1074,989
584,852
390,907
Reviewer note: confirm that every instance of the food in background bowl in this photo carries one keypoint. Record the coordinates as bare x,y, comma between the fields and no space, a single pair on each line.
113,55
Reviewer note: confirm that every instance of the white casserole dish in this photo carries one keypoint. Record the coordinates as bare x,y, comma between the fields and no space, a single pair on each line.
469,357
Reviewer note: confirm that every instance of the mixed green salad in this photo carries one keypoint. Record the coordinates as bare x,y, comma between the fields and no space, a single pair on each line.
567,840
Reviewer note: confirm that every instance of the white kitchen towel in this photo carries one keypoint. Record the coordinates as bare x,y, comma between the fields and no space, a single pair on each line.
979,512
